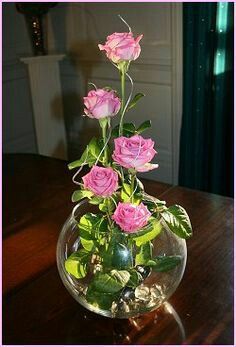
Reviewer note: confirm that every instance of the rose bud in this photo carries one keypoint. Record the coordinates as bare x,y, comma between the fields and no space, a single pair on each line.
122,47
101,103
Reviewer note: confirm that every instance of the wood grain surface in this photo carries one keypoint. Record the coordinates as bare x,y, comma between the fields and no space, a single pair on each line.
37,308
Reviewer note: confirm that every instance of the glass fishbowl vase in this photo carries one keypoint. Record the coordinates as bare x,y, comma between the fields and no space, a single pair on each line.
153,289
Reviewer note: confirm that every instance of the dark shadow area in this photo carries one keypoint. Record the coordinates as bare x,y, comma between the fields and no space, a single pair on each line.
126,331
76,72
206,148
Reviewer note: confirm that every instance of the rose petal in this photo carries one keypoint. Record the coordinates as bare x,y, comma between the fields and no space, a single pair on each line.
147,167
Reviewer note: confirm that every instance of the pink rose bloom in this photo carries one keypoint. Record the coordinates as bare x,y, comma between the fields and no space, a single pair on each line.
101,103
134,152
131,217
101,181
122,47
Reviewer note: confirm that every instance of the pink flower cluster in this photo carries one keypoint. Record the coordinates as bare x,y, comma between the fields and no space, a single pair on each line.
104,182
135,152
119,47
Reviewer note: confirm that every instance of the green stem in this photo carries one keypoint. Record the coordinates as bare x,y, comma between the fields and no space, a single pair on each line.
130,246
107,213
109,220
132,187
122,101
122,72
104,136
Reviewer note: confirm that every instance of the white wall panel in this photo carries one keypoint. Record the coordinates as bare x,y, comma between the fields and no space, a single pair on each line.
17,115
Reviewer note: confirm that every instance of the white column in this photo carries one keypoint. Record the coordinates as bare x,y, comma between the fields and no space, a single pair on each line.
46,94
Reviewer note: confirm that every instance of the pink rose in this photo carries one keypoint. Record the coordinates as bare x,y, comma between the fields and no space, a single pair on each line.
101,103
134,152
122,47
131,217
101,181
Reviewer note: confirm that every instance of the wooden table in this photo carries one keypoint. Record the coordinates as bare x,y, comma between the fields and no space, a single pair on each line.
37,308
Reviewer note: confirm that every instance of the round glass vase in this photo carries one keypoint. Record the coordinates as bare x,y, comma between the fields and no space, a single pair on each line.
155,287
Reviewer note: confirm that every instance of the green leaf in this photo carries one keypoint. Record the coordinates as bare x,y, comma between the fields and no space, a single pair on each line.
86,223
129,127
164,263
102,225
115,131
121,258
126,193
135,278
80,194
94,147
77,263
90,222
96,200
178,221
145,254
83,160
154,204
107,205
145,125
92,228
87,244
112,282
135,100
128,130
89,155
140,184
107,253
98,299
149,233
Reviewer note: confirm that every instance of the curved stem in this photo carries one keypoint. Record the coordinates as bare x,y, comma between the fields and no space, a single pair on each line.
104,146
125,105
130,30
104,123
122,101
104,136
79,170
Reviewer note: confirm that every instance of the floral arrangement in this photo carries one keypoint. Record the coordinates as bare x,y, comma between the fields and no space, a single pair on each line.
118,238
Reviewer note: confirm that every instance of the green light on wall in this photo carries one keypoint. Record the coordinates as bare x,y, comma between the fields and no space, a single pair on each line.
221,19
221,28
219,63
